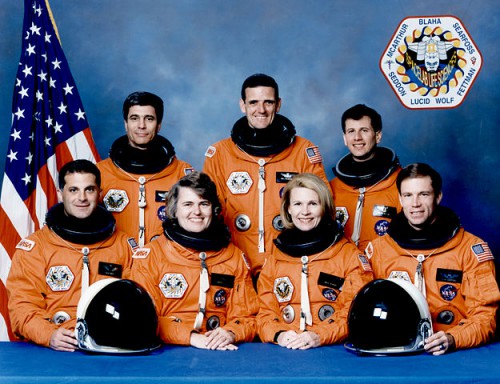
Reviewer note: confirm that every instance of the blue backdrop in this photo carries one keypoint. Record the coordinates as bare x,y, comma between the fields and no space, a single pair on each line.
324,54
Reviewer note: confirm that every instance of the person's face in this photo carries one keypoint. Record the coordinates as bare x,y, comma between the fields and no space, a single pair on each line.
80,194
418,201
360,138
260,106
193,212
141,125
305,208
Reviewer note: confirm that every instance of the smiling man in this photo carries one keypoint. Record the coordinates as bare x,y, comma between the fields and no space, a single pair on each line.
426,245
251,168
141,167
364,188
78,246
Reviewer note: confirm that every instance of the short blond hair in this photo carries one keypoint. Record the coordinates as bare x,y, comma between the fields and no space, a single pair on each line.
314,183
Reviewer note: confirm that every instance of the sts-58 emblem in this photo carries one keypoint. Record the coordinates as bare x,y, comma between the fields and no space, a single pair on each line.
173,285
431,62
283,289
59,278
116,200
239,182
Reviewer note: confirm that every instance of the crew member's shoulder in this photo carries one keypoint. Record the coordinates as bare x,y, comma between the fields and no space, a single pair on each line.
221,146
105,165
36,239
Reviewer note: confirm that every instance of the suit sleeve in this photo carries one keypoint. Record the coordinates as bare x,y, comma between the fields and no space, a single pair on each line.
316,168
335,330
27,307
269,320
482,295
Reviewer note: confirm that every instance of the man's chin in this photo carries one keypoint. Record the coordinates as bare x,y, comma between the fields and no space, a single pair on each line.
363,157
418,225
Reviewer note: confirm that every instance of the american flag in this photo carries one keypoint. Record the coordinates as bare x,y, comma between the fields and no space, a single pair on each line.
49,128
314,155
482,252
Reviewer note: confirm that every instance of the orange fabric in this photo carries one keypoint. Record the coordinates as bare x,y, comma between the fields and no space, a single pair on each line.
128,219
225,157
32,303
235,306
476,297
384,193
342,260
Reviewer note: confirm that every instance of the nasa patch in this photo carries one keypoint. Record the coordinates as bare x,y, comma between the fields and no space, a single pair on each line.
281,192
220,298
210,151
59,278
162,213
329,294
25,245
141,253
448,292
173,285
381,227
116,200
239,182
283,289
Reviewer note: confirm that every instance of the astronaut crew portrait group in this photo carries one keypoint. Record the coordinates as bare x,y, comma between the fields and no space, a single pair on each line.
258,246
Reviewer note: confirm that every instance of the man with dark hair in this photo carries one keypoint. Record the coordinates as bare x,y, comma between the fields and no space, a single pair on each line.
426,245
52,267
364,188
140,169
252,166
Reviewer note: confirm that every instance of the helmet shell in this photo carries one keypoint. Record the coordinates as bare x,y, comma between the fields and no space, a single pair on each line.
388,316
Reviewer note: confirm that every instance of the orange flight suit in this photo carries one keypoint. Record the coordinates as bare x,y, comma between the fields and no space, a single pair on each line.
46,275
171,275
460,283
236,175
335,275
126,210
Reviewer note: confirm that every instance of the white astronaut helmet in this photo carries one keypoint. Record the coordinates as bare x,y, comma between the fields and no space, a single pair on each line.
388,317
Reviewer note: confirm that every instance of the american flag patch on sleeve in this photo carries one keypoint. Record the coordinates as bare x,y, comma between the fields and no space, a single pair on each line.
482,252
314,155
365,264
